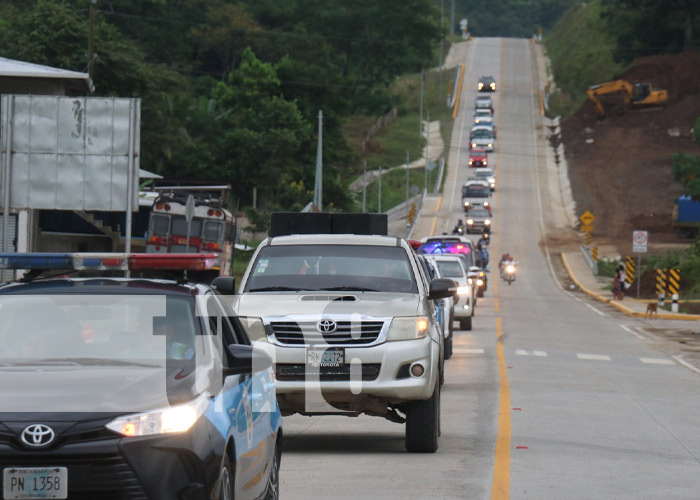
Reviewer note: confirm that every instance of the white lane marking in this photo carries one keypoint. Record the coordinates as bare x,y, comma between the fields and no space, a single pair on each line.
574,297
461,350
629,330
657,361
686,364
594,357
523,352
596,310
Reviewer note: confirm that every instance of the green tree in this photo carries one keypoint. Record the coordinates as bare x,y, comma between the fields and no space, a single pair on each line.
686,168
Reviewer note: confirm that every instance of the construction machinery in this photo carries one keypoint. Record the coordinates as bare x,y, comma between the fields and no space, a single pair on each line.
635,95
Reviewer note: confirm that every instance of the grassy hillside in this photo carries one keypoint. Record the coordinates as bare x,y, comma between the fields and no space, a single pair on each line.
581,51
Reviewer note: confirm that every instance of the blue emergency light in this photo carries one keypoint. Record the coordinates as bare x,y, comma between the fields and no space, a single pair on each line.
108,261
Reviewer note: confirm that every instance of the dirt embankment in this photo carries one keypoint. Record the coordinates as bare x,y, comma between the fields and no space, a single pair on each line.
620,167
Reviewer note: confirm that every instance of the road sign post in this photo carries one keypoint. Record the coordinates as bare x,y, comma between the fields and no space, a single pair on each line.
640,239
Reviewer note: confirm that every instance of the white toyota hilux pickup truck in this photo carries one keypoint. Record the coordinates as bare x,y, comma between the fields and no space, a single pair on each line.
350,322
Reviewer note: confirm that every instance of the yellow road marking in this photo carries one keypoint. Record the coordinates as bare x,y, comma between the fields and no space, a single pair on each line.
459,91
437,211
500,488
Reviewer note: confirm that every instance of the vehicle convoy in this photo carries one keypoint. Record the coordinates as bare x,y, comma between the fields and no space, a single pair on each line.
350,316
636,95
476,193
212,228
131,387
462,247
686,216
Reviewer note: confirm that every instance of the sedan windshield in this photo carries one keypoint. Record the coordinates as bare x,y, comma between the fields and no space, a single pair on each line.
476,192
450,269
332,267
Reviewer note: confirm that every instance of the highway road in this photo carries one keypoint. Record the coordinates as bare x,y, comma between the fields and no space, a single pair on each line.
549,397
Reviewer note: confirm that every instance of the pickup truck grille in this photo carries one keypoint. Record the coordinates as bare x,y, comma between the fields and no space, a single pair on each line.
298,372
346,332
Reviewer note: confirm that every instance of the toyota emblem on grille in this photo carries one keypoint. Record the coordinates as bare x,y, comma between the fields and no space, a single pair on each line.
36,435
327,326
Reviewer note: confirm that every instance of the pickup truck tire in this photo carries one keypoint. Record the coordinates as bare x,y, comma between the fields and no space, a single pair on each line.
423,424
465,324
448,347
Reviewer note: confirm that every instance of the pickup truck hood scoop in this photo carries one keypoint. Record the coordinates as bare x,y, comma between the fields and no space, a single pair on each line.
328,298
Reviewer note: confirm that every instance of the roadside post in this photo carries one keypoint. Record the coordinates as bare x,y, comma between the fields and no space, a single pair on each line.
674,281
640,239
189,215
661,286
379,192
587,228
630,269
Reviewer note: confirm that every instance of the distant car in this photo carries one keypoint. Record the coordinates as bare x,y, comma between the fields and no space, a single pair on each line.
478,158
444,307
484,102
486,84
475,193
482,138
478,220
483,126
452,267
483,116
485,174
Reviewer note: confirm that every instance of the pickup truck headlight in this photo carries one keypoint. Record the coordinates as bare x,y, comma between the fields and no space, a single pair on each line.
255,328
464,290
408,328
170,420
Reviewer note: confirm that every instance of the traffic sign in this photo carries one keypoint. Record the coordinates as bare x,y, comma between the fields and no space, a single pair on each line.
639,241
587,218
587,229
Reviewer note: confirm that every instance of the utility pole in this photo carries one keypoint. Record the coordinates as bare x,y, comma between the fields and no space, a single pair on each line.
318,188
442,40
379,204
91,38
407,160
427,153
364,186
452,19
420,125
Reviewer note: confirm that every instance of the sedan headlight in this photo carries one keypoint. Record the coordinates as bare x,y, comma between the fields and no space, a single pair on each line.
487,222
466,204
464,290
470,221
473,145
174,419
492,180
490,145
408,328
481,86
493,86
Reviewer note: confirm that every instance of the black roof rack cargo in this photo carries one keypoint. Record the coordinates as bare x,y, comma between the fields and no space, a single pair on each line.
287,223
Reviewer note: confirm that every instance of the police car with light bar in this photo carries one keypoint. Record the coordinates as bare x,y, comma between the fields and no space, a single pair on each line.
349,314
136,388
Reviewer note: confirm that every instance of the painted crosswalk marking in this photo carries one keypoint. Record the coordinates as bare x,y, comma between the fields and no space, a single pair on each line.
523,352
657,361
594,357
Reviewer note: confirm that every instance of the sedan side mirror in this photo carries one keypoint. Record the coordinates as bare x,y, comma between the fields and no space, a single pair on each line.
225,285
245,359
441,288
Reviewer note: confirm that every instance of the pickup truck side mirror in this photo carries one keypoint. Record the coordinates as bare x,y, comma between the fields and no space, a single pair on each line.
441,288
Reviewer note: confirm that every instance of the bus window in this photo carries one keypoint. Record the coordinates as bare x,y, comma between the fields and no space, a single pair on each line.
213,230
180,227
160,225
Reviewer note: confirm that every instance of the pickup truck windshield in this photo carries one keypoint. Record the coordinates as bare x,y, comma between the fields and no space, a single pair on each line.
332,268
476,192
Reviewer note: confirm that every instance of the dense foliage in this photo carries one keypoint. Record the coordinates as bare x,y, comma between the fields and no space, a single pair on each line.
231,89
512,18
686,168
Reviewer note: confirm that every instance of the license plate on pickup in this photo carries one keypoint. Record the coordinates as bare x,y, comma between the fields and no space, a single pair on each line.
29,483
319,357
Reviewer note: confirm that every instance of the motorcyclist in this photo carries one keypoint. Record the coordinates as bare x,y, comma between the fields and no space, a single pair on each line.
459,227
484,240
484,256
506,261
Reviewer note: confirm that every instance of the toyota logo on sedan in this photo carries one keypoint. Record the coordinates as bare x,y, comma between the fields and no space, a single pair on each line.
327,326
37,435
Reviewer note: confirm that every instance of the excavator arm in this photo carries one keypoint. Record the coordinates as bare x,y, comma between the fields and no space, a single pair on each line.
637,94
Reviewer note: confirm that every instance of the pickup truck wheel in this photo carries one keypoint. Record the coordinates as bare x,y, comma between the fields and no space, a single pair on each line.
423,424
465,324
448,347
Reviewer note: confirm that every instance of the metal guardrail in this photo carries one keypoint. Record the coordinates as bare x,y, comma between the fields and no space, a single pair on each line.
441,170
589,259
453,97
409,232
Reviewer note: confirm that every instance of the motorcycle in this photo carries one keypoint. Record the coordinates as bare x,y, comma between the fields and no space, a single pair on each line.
458,230
509,272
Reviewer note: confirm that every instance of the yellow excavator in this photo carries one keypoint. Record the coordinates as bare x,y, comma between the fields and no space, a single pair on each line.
637,95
